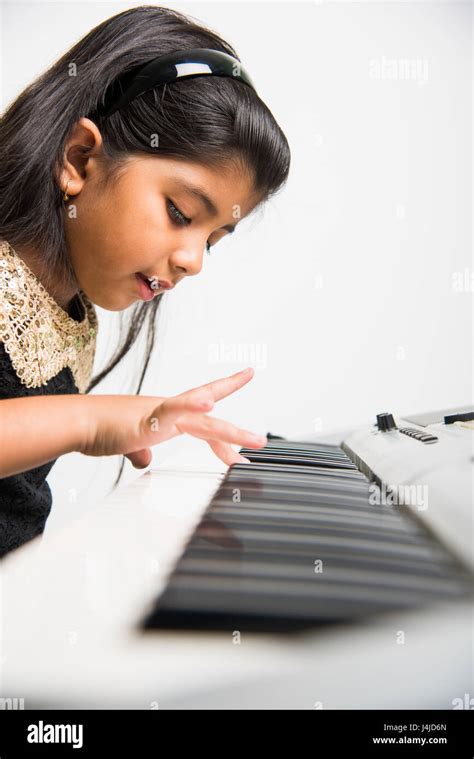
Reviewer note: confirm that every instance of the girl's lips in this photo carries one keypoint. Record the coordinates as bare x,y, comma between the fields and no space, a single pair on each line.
145,291
164,284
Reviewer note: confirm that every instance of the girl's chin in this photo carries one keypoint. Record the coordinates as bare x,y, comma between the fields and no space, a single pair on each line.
121,297
113,302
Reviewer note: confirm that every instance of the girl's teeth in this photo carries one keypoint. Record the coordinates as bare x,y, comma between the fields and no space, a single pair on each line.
154,283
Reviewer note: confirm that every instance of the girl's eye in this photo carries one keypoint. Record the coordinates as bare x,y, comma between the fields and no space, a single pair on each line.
176,215
179,218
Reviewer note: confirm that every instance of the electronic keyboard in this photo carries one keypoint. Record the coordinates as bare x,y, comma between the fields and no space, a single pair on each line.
312,533
362,537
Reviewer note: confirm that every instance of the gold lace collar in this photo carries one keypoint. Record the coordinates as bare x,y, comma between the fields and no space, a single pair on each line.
39,336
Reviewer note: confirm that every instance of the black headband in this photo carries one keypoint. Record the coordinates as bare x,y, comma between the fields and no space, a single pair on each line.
165,69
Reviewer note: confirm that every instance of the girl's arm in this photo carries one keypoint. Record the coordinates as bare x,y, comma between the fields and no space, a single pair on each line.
35,430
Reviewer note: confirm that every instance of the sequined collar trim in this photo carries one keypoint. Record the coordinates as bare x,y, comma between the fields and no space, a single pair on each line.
39,336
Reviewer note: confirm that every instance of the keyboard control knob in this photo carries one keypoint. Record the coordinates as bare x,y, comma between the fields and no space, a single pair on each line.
386,422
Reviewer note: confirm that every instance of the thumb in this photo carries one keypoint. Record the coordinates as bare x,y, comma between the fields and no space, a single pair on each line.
140,459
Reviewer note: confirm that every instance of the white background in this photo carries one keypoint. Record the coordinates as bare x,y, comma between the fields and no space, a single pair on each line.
351,291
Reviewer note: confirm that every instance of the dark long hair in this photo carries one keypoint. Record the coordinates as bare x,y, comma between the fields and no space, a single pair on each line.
206,120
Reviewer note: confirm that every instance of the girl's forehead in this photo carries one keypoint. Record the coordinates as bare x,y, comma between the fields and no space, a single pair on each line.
231,170
209,185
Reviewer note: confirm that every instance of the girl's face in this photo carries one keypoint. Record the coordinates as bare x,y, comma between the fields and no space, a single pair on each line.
155,218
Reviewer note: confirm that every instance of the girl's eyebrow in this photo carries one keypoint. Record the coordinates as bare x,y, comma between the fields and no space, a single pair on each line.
206,201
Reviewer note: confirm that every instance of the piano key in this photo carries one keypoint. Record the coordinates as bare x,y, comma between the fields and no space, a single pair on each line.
298,470
271,457
207,572
307,501
293,540
288,517
350,505
313,602
350,559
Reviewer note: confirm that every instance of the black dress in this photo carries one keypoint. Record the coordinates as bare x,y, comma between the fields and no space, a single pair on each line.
25,498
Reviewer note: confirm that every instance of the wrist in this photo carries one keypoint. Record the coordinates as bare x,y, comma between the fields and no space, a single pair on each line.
83,423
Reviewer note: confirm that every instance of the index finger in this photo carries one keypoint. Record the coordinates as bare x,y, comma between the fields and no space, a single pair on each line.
223,387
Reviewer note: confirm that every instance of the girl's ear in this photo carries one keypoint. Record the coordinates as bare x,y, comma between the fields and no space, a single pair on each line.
83,142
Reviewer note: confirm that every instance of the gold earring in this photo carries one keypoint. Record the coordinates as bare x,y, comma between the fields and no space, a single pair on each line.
66,196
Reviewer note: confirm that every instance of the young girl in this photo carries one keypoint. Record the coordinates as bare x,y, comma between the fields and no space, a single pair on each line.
139,149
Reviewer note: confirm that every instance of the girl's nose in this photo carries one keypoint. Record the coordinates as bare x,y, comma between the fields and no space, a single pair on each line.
189,260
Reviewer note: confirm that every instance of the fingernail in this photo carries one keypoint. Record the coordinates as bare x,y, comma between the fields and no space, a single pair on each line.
243,460
258,438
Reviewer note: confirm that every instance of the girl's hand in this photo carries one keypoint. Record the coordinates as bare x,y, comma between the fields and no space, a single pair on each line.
129,424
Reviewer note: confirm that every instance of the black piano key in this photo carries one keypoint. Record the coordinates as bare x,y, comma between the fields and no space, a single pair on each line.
266,458
301,459
289,470
301,445
302,450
